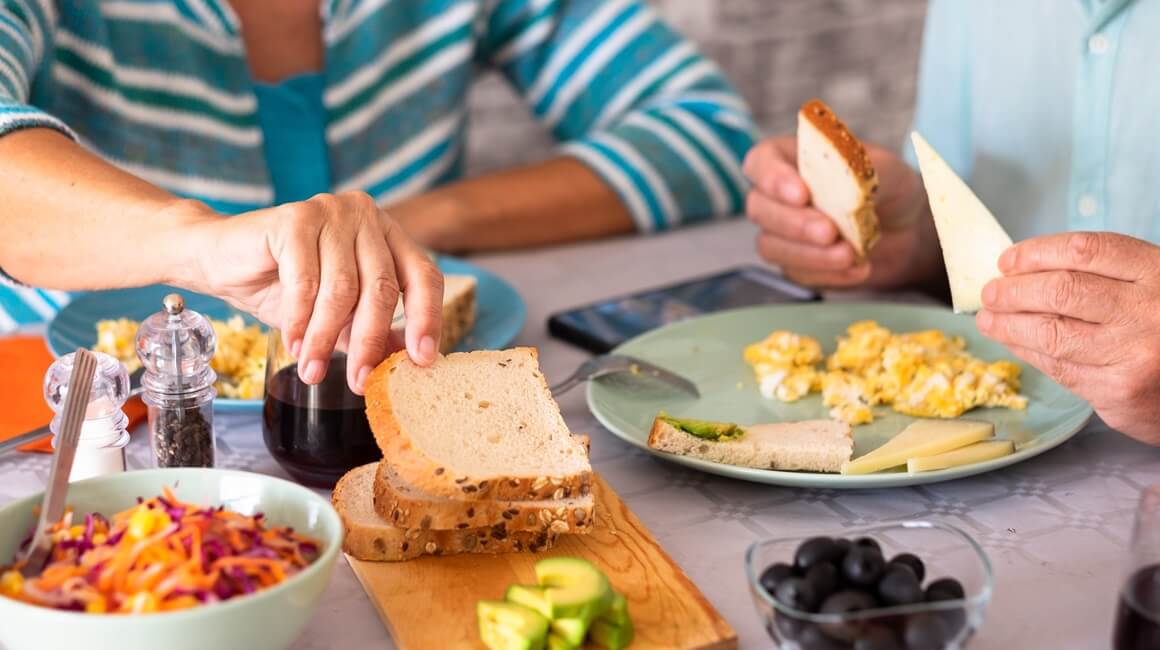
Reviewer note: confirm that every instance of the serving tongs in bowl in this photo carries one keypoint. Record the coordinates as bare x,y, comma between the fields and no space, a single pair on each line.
609,364
76,402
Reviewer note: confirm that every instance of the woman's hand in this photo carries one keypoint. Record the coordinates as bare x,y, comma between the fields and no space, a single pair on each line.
1084,308
325,271
806,244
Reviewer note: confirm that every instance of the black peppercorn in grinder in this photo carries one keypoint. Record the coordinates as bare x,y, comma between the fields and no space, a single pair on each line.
316,432
175,346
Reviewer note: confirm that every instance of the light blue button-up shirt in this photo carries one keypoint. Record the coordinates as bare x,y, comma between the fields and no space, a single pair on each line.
1049,108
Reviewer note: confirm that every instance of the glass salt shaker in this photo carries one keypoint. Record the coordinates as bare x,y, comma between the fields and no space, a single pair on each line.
101,448
175,346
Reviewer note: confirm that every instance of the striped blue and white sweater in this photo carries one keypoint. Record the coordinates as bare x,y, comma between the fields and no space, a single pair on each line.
161,88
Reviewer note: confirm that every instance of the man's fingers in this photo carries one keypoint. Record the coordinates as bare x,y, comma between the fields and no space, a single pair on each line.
1101,253
1083,296
378,296
796,224
1065,339
801,257
1065,373
422,286
772,168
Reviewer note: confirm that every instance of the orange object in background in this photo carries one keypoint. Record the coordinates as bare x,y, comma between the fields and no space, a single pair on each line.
23,362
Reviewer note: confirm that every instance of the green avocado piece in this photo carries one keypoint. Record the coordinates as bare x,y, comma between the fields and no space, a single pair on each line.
574,588
557,642
617,613
572,630
705,429
507,626
613,637
530,596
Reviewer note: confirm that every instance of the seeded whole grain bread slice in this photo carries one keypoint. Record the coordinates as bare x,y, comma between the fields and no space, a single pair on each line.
811,445
458,311
404,506
842,180
371,538
475,426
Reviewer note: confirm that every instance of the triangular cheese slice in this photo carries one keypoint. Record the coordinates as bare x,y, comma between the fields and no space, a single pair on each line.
922,438
971,238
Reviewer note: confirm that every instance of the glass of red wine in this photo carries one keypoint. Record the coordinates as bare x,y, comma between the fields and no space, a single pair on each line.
316,433
1138,617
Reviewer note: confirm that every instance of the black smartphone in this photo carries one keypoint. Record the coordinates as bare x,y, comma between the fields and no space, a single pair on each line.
602,326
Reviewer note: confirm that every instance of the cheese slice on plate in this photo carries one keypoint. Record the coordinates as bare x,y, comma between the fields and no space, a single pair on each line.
969,455
970,236
921,438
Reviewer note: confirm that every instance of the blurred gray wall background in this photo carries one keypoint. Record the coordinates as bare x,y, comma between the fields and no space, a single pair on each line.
860,56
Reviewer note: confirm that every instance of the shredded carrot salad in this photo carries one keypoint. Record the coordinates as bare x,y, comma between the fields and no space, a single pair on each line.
159,556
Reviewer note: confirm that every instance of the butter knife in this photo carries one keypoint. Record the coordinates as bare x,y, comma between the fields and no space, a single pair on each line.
76,402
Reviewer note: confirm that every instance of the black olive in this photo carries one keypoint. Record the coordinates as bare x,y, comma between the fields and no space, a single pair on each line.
945,587
862,566
774,574
898,586
813,551
924,632
868,541
814,638
911,560
842,546
787,627
797,593
877,638
848,601
824,577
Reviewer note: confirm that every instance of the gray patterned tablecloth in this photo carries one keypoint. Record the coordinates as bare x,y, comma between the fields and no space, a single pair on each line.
1055,527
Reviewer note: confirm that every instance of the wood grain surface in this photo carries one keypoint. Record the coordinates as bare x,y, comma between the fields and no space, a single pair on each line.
430,602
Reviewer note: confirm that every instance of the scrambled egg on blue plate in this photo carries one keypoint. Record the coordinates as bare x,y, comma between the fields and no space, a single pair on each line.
924,374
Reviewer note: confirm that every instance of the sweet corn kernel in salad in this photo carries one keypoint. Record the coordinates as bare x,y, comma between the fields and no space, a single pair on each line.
240,359
159,556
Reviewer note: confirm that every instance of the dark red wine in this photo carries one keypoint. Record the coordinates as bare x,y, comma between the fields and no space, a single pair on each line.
317,433
1138,619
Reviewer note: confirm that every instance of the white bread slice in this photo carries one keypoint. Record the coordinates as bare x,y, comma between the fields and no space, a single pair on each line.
835,167
404,506
458,311
970,237
811,445
475,426
371,538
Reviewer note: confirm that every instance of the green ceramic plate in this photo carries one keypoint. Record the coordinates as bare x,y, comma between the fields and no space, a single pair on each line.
707,350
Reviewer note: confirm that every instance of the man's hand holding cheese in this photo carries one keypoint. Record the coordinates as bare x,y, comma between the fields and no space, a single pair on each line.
1084,308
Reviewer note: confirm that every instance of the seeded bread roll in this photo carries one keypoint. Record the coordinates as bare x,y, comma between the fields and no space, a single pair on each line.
404,506
842,181
475,426
811,446
369,537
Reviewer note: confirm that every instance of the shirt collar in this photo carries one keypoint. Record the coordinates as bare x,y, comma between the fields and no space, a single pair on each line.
1100,12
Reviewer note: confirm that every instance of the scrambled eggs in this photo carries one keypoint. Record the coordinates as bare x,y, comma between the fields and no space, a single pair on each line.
924,374
239,361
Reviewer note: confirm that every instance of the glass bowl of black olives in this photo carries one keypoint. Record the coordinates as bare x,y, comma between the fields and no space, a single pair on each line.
870,589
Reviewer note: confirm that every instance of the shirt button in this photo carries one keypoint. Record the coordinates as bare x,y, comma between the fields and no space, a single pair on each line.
1098,44
1088,206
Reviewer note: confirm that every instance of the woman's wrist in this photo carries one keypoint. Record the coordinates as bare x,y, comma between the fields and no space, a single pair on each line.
180,243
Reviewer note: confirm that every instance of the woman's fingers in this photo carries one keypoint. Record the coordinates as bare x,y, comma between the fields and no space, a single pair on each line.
805,225
298,271
338,292
772,168
370,332
796,256
422,286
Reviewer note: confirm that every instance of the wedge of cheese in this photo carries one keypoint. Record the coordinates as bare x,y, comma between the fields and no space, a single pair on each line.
970,236
969,455
920,439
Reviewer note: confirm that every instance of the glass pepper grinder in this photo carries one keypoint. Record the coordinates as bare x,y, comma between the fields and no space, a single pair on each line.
101,448
175,346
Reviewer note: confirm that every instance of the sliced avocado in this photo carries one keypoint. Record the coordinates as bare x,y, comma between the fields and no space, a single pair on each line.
507,626
557,642
705,429
574,588
613,637
617,613
530,596
572,630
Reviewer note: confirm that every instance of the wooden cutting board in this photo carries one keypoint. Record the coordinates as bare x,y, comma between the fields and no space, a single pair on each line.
430,602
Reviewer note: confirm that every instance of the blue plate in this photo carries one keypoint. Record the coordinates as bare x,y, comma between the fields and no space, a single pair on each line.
500,314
